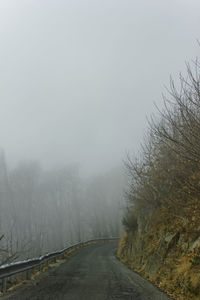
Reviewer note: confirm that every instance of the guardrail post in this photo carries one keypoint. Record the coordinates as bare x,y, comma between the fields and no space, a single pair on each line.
4,283
40,262
28,274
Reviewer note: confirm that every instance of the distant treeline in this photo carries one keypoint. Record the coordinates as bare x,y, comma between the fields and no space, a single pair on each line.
43,211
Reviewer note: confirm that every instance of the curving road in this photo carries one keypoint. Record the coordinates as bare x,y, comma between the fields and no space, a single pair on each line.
91,273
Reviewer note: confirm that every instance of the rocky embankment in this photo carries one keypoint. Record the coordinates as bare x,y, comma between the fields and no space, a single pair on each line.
165,248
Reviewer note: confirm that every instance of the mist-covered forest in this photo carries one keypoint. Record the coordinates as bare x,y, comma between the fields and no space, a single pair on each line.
43,211
78,80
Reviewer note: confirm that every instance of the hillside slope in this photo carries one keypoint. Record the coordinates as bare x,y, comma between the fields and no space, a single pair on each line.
162,224
166,250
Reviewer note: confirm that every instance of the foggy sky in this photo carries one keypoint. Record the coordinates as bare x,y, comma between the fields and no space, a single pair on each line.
78,78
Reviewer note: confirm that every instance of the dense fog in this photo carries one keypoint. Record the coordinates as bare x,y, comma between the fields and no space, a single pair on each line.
77,80
78,77
45,211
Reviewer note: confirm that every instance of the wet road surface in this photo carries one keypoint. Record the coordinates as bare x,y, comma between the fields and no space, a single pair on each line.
90,273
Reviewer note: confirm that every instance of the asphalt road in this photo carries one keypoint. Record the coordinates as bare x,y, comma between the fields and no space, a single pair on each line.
90,273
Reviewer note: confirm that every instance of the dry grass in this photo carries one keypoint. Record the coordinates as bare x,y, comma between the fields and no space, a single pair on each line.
179,274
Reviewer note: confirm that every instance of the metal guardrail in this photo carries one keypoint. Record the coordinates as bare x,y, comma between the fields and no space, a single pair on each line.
29,264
